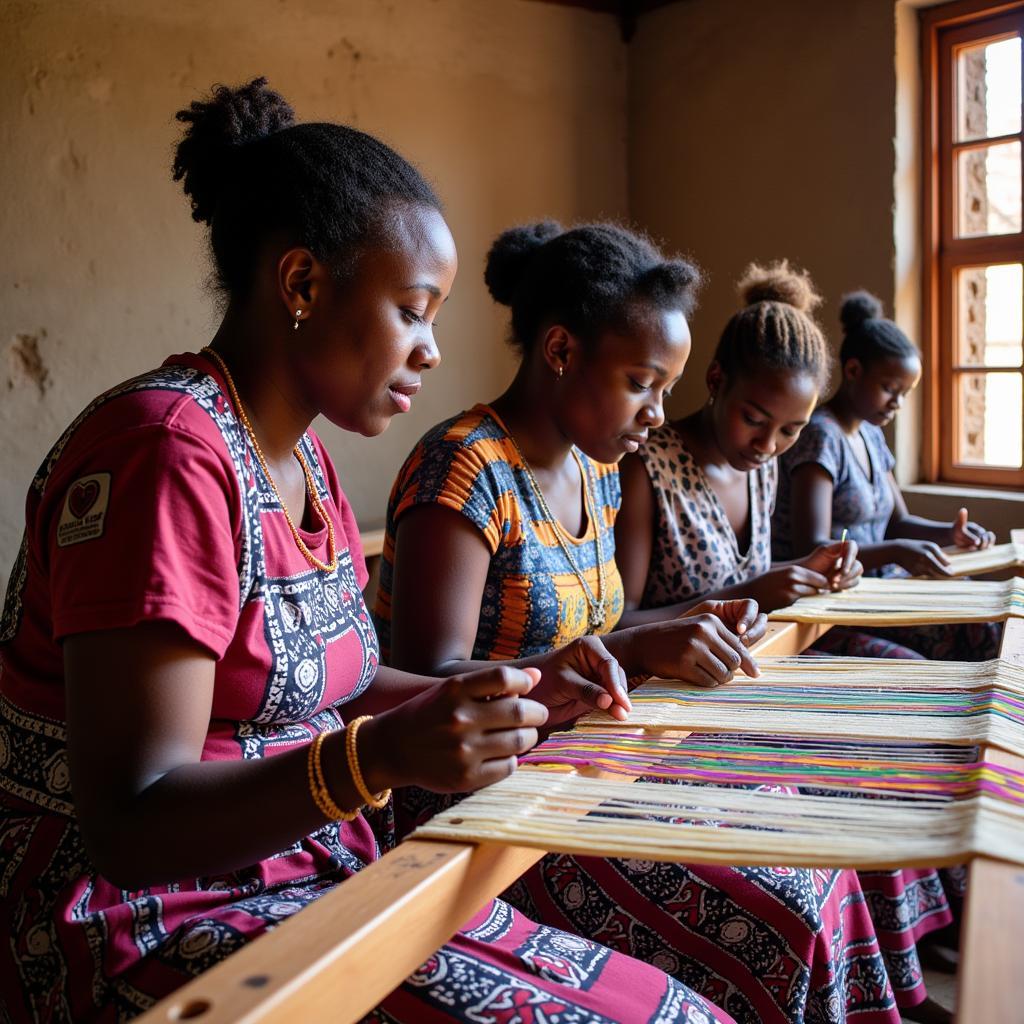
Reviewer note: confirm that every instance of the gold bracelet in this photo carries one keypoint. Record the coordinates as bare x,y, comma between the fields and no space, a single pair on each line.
351,730
318,786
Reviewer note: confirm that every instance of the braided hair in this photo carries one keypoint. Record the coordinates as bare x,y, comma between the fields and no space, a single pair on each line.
250,170
867,335
775,329
587,279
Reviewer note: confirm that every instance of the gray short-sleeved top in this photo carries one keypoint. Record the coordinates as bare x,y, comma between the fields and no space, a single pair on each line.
861,504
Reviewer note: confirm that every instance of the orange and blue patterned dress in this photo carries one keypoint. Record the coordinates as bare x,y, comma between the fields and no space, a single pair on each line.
768,945
532,601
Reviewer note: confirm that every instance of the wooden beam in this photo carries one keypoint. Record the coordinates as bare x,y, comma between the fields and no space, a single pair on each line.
341,955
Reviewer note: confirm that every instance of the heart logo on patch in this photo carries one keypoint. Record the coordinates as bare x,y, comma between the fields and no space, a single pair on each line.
82,497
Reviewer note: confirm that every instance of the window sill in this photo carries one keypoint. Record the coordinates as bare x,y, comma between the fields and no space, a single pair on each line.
964,492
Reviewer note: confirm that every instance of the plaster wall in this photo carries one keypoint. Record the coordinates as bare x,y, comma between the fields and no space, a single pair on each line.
515,110
760,131
790,129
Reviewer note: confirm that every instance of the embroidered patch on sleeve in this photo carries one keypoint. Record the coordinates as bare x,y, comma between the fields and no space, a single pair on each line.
85,508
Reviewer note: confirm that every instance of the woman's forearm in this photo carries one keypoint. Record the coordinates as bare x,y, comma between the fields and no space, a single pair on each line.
875,556
391,687
642,617
215,817
917,528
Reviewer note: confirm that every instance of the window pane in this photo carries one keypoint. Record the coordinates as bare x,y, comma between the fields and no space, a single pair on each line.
989,420
988,89
988,315
988,183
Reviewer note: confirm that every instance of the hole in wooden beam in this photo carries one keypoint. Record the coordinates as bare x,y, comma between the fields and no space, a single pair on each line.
191,1010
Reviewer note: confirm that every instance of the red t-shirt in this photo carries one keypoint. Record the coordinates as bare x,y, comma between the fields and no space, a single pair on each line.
152,506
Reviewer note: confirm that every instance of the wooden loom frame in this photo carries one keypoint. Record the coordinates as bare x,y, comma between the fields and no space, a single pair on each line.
344,953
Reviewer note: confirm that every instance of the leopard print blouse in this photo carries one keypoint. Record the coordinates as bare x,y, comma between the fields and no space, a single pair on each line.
695,548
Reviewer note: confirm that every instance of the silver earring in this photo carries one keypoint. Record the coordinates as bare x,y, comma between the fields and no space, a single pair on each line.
561,370
298,313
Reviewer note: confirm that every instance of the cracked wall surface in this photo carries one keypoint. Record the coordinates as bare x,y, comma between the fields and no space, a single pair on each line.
515,110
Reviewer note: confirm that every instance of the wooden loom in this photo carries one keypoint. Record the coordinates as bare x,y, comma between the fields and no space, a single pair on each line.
344,953
972,703
911,602
975,563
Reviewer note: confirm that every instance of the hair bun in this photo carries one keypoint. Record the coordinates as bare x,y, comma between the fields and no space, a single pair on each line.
778,282
510,255
216,128
673,278
858,307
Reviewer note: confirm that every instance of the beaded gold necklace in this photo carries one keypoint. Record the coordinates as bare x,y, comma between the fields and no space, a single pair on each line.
596,610
314,498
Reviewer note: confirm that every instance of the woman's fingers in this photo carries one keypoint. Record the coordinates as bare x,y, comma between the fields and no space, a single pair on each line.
732,645
744,616
493,771
710,670
728,649
977,536
933,566
937,557
849,560
738,615
500,713
757,629
602,668
506,743
803,576
488,683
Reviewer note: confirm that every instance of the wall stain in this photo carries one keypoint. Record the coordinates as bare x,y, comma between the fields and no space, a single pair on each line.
25,362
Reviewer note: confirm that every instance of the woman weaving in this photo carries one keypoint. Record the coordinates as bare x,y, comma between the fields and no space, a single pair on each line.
512,505
838,478
696,525
187,660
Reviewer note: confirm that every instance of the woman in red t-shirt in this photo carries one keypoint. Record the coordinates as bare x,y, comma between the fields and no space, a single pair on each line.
184,641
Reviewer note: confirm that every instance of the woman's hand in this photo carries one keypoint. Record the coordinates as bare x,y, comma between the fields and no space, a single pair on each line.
579,677
828,567
742,616
461,735
699,649
919,558
781,586
837,562
970,535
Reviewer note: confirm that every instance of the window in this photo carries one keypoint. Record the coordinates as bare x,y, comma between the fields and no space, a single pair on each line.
974,244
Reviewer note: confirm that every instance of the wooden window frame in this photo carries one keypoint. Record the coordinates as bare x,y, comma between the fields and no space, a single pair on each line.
943,29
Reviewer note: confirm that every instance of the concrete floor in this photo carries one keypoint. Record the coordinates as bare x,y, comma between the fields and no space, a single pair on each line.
942,988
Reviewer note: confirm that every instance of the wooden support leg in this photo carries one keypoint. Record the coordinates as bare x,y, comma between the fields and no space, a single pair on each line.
991,977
